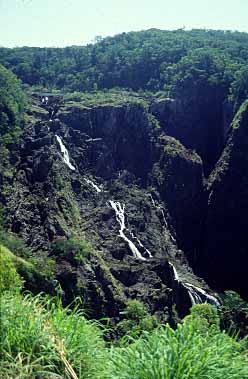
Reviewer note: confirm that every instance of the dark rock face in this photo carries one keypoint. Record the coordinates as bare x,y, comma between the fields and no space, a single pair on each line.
199,124
64,186
224,258
178,175
105,131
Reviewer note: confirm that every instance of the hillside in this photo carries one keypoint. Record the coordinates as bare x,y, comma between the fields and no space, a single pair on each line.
136,193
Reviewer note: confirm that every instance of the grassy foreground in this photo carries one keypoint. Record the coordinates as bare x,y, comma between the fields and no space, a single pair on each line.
41,339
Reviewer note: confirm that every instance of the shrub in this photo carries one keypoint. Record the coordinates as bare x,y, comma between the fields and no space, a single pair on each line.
234,314
73,249
180,354
15,244
10,280
135,310
136,321
33,277
205,317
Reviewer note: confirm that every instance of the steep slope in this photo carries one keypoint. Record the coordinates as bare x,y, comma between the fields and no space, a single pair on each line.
102,175
225,256
199,119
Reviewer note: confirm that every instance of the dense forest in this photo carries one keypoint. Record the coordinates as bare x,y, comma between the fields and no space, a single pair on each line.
172,61
123,208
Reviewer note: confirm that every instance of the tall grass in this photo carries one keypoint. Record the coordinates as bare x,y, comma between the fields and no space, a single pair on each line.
184,353
40,338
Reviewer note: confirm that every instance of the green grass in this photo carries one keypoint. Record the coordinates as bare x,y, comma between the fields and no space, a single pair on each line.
9,278
42,340
183,353
110,97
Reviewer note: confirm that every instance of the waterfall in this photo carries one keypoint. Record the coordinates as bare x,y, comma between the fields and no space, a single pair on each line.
93,185
65,153
120,218
199,291
141,245
197,295
160,209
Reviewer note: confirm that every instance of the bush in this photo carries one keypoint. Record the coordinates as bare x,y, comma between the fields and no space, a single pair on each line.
74,249
180,354
234,314
136,321
204,317
15,244
10,280
33,277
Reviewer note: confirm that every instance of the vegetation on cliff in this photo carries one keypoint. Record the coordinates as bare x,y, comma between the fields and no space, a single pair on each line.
146,152
12,103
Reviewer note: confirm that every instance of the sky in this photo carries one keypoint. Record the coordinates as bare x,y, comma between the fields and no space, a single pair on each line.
60,23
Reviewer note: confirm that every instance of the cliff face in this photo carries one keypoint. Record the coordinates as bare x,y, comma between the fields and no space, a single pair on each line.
224,255
106,174
109,175
199,123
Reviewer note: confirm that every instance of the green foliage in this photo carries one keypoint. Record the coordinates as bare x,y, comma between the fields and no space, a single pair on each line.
74,249
43,263
40,339
36,269
15,244
239,87
144,60
234,314
240,115
135,310
114,96
180,354
12,103
204,317
10,280
136,320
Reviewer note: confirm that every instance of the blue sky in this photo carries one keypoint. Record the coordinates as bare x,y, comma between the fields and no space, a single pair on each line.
78,22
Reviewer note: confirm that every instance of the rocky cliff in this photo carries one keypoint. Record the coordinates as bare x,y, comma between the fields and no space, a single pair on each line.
224,255
109,175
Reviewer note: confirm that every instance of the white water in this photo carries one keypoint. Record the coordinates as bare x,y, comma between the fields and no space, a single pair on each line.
65,153
93,139
176,276
212,299
98,189
120,218
141,245
196,294
160,208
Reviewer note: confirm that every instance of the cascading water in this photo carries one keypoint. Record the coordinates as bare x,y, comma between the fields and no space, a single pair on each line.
64,153
197,295
98,189
141,245
120,218
202,294
119,210
160,209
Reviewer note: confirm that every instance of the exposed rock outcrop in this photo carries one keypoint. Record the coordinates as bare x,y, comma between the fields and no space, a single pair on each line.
178,175
224,255
198,122
113,153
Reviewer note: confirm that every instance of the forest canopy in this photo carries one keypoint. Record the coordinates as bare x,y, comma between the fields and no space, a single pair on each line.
151,60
